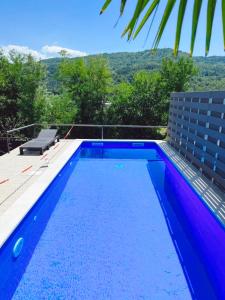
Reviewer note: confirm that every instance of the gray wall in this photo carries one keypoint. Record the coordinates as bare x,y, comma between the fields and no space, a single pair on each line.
197,130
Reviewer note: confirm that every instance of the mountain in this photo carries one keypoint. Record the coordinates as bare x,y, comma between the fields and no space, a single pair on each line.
211,75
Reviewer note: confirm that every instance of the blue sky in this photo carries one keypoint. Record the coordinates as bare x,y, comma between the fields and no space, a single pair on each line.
44,26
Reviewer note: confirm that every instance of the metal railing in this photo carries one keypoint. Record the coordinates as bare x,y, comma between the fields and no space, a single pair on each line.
8,132
100,126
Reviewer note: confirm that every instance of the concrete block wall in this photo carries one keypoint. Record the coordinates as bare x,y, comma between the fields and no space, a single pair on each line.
196,129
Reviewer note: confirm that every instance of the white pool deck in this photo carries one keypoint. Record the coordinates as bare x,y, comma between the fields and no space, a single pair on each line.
24,178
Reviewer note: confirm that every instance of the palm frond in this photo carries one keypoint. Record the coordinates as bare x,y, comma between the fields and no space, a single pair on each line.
223,20
105,5
210,17
180,18
122,6
138,10
131,31
148,14
195,20
165,17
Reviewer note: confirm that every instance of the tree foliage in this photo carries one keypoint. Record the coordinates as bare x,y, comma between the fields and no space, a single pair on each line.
88,83
24,98
146,99
177,74
54,109
124,65
87,93
20,77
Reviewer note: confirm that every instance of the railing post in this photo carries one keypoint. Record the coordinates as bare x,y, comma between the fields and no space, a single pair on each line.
34,131
102,130
7,142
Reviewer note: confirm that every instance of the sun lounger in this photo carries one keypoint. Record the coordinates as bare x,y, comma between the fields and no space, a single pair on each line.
45,139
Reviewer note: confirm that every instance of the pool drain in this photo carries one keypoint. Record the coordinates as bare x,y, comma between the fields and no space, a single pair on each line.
18,247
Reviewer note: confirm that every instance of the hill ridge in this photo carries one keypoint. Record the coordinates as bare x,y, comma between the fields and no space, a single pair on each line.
124,64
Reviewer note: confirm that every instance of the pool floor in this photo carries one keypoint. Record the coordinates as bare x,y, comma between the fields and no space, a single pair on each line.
106,239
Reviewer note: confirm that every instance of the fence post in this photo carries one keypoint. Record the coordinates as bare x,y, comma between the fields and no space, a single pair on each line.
7,142
102,133
34,131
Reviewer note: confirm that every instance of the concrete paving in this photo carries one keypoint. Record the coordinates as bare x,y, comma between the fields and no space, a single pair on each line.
18,172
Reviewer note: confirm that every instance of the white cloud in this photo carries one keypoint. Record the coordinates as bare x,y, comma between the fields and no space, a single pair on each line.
54,51
22,50
45,52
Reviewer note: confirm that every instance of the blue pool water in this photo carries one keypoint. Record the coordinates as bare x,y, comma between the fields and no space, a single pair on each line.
118,222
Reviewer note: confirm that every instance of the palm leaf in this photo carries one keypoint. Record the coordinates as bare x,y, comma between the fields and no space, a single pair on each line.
105,5
180,18
153,5
138,10
166,15
223,18
195,19
122,6
210,16
147,16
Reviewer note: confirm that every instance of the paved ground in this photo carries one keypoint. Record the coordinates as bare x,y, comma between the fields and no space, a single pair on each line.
18,172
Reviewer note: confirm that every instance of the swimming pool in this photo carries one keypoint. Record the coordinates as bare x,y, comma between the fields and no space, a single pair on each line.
118,222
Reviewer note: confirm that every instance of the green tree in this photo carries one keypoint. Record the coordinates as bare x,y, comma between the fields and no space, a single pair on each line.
41,105
61,109
146,99
149,98
142,102
54,109
144,10
118,110
88,83
32,76
20,77
177,74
